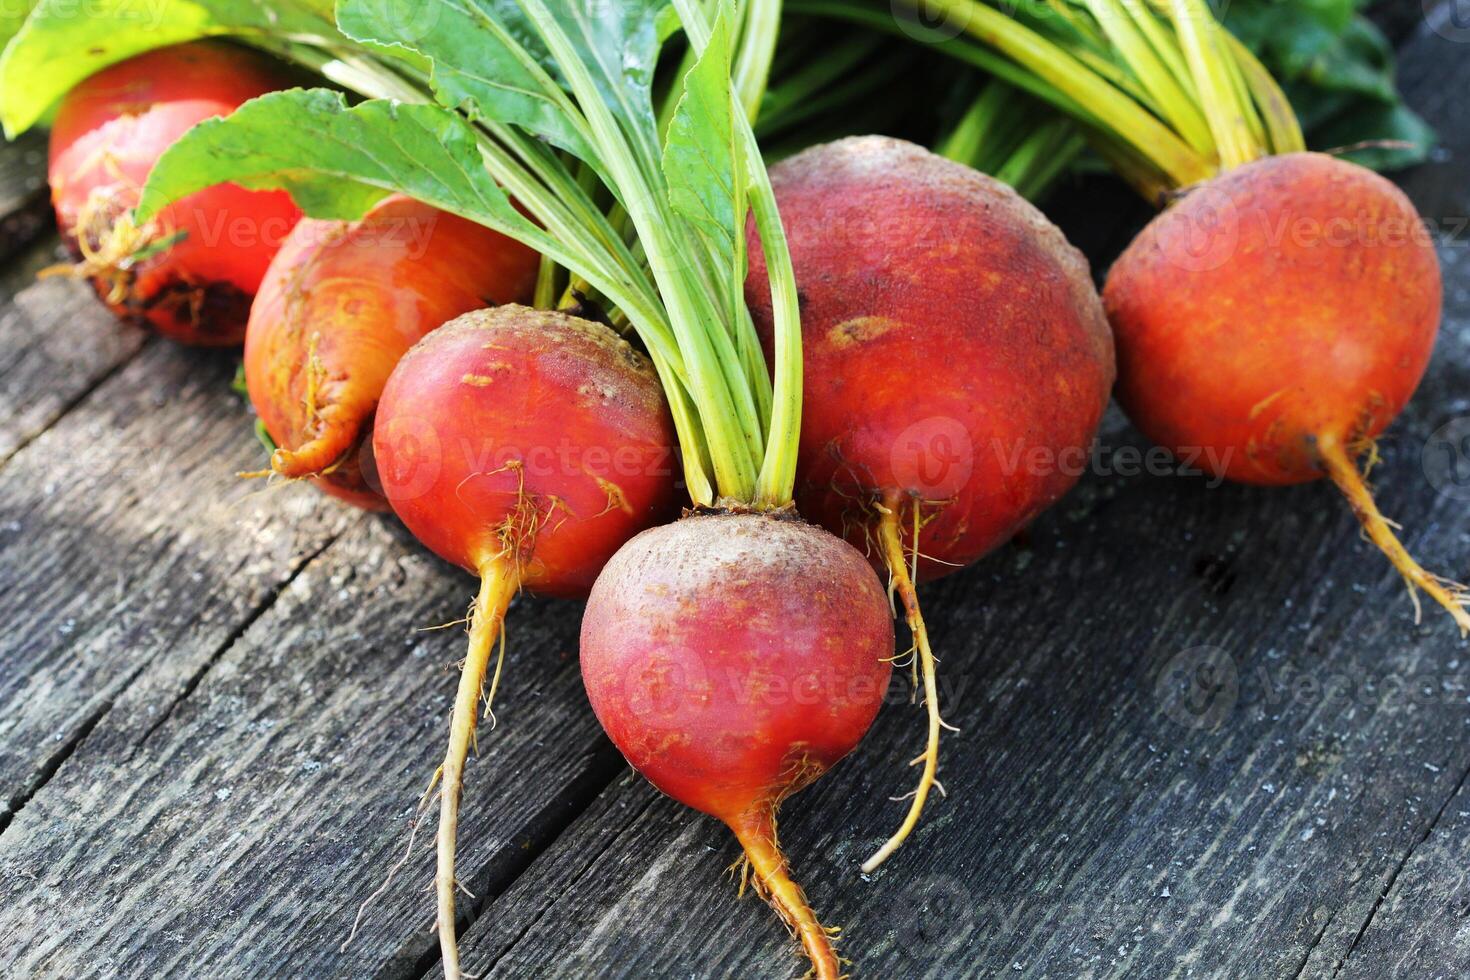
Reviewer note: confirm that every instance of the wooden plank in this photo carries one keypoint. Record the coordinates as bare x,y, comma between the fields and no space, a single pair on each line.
60,343
127,544
1096,826
238,836
1420,930
1433,72
1420,903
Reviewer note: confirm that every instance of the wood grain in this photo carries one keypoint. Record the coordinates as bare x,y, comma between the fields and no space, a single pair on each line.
128,543
60,343
25,208
237,835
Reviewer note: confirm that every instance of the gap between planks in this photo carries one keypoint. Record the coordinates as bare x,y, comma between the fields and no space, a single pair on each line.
1393,876
48,770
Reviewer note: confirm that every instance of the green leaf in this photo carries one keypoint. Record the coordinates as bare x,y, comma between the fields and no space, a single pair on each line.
13,14
705,169
63,42
484,56
1289,34
618,45
1361,62
336,162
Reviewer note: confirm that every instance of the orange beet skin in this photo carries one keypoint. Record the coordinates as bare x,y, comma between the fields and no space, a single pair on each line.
1292,299
109,132
341,304
528,436
955,351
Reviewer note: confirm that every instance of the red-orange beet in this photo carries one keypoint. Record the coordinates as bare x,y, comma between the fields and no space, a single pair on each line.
1273,322
529,428
340,305
109,132
956,362
734,658
526,446
956,356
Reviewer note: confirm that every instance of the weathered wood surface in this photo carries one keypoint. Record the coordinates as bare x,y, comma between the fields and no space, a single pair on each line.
60,343
217,713
236,833
128,544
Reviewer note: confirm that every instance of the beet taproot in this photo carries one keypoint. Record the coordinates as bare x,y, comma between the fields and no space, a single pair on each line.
733,658
1274,322
525,446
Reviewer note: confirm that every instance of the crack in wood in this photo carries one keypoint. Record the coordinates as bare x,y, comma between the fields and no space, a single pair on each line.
1398,868
1316,941
592,858
192,682
48,769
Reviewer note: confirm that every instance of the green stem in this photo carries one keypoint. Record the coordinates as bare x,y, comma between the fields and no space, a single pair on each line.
800,95
1165,45
1113,109
1043,154
1199,36
629,159
1283,129
752,68
960,49
1156,78
546,283
975,132
1068,146
777,479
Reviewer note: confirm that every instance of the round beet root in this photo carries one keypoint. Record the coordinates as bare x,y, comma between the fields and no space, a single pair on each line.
956,364
340,305
526,446
734,658
209,250
957,360
1291,299
1273,322
530,435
